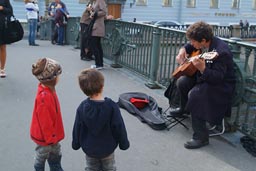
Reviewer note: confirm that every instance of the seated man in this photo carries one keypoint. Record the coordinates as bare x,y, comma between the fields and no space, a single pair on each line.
206,95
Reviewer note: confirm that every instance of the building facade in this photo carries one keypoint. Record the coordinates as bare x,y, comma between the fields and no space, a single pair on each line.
217,12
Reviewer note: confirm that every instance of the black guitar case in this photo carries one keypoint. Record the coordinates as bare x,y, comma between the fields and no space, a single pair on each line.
149,114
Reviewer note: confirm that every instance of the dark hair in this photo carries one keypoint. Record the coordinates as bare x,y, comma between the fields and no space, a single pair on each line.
91,81
199,31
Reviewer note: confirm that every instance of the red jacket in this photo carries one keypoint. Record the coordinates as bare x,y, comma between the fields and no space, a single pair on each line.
46,125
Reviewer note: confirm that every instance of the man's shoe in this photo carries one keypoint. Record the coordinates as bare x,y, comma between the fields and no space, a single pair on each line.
194,144
87,59
99,67
35,44
177,112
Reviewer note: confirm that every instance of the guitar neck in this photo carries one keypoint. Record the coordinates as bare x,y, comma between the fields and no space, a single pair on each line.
206,55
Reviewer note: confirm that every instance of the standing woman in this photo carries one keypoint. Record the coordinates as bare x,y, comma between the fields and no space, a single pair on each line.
32,16
5,10
85,51
99,13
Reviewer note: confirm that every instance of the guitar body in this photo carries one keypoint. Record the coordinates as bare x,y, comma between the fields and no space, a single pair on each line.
187,68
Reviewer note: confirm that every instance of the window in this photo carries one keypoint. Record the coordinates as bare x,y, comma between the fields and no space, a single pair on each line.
235,4
141,2
167,2
84,1
254,4
214,3
191,3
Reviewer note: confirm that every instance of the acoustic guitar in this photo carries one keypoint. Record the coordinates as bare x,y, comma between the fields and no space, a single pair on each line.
187,68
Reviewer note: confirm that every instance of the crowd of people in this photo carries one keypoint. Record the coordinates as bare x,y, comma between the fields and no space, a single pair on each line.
104,127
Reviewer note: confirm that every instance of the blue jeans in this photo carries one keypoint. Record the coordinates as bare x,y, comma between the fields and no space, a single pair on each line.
60,35
52,154
32,31
104,164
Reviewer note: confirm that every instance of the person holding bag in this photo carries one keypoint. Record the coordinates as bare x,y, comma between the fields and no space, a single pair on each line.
5,11
99,12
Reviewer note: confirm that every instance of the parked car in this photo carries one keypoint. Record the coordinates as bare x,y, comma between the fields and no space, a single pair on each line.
167,23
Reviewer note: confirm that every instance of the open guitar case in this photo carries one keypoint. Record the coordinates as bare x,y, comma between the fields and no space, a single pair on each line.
144,107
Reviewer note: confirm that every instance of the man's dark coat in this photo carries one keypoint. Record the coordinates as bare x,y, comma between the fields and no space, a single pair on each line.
210,99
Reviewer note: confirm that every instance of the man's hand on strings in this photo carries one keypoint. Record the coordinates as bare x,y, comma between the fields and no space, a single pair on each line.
199,64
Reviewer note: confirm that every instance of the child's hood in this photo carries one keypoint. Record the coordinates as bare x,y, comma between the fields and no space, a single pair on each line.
96,115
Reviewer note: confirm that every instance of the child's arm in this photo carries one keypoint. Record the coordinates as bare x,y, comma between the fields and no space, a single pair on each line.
46,121
76,132
119,130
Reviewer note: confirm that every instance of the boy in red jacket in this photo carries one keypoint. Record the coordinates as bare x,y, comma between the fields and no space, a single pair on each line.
47,127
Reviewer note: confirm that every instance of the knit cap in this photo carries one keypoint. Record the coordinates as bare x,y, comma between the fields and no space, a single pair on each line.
46,69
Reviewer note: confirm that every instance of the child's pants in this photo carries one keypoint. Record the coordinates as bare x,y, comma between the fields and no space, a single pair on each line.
104,164
52,154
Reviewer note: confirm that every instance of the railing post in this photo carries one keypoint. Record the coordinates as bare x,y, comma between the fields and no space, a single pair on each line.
253,132
236,31
254,64
154,59
235,49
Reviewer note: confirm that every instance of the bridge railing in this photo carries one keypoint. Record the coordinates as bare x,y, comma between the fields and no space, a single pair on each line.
154,58
150,51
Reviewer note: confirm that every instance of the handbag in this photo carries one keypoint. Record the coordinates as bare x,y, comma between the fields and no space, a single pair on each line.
13,30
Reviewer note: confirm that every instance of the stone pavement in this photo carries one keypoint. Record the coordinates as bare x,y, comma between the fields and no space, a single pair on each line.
150,150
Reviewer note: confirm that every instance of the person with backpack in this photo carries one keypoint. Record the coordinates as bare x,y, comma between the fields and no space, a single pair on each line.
60,21
51,12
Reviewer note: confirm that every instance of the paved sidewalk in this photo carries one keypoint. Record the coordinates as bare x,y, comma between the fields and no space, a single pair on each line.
150,150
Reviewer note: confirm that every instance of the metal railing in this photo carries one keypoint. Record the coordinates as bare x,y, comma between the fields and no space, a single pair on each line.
154,58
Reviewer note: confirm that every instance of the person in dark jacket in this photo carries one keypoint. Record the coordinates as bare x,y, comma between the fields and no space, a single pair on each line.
5,11
207,94
52,12
98,127
60,20
85,50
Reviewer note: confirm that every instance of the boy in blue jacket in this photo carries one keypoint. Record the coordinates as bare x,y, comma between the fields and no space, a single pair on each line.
99,127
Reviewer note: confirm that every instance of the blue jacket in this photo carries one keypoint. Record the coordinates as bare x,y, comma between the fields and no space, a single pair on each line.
99,128
52,8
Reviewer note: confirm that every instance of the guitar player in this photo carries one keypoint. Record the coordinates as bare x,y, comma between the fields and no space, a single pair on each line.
207,94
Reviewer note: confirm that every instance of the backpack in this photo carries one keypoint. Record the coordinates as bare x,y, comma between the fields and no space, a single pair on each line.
172,94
